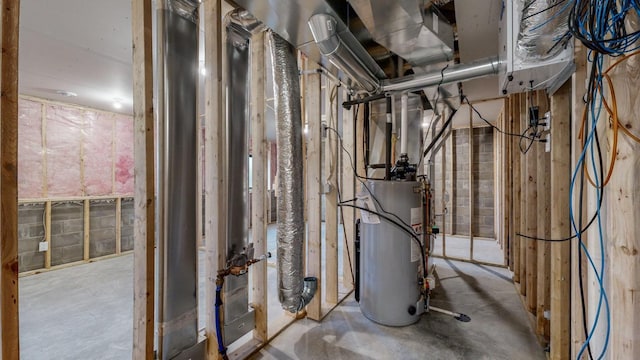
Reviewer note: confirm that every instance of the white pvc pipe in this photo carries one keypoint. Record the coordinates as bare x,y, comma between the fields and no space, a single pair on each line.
404,126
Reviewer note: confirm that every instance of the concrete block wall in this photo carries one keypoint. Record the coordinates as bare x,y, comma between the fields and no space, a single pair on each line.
457,164
126,232
102,228
30,234
67,233
483,186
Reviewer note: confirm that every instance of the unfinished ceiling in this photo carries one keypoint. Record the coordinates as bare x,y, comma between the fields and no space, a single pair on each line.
84,47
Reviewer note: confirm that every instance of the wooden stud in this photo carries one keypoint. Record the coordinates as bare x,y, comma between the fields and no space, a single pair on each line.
118,225
621,212
543,227
523,114
45,185
507,191
531,221
9,323
348,192
47,234
314,183
259,184
576,106
515,186
443,184
560,251
471,199
86,210
215,229
331,198
144,229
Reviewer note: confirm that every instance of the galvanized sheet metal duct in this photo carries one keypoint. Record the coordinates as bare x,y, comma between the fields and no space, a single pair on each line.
542,28
456,73
177,83
293,292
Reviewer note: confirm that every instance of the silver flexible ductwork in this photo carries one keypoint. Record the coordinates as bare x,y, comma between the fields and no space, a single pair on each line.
451,74
543,26
294,293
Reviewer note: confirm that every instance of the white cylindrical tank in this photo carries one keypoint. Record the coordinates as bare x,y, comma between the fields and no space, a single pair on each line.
389,258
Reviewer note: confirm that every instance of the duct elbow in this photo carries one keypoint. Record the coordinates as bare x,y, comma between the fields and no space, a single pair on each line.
309,290
310,286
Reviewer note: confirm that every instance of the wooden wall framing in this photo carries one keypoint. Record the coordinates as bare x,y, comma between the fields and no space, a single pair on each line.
9,323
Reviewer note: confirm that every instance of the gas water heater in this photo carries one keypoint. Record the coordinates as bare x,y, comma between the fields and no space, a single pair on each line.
390,269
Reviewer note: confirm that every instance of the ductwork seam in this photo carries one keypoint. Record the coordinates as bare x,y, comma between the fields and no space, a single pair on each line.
188,9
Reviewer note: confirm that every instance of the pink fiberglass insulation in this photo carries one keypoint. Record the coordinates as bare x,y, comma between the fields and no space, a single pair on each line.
98,153
30,152
64,140
124,155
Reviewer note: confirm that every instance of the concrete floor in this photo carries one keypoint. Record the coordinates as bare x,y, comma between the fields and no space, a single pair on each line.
498,329
85,312
484,249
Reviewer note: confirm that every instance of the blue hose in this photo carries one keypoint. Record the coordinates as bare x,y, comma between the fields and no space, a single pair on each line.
221,349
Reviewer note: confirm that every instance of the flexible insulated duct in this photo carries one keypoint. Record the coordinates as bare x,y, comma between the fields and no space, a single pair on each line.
543,29
294,292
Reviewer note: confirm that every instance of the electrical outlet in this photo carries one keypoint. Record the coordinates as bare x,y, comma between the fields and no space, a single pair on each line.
43,246
547,145
547,120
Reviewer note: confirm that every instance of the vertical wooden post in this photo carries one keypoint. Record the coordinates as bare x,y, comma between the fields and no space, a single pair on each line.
86,210
47,234
471,202
214,144
543,227
506,189
622,196
312,93
144,229
516,188
532,220
347,190
560,251
9,324
118,225
331,216
578,93
259,184
443,151
524,271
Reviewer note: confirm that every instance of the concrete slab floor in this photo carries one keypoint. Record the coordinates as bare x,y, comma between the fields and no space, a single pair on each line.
499,327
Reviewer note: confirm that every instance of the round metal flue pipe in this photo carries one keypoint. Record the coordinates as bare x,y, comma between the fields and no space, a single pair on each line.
452,74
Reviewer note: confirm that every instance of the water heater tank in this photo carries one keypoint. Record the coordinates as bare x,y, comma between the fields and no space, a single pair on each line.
389,258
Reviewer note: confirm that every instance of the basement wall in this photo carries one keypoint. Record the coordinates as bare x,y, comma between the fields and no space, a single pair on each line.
457,169
69,154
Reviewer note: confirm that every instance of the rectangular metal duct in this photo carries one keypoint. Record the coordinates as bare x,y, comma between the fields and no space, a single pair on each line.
289,19
406,28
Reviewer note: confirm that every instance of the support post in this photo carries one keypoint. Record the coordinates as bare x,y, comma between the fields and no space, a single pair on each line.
516,189
118,225
348,192
524,271
47,234
331,217
531,220
144,229
259,184
86,210
560,251
312,92
543,227
215,228
9,323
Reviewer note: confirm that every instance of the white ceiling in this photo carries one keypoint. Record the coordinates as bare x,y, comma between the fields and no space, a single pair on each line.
82,46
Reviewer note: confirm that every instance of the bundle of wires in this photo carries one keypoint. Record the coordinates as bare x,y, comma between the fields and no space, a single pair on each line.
602,25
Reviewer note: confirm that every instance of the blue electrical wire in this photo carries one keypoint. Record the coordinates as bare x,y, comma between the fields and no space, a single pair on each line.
603,299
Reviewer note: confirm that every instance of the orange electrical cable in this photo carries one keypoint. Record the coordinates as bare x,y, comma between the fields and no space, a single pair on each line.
612,111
